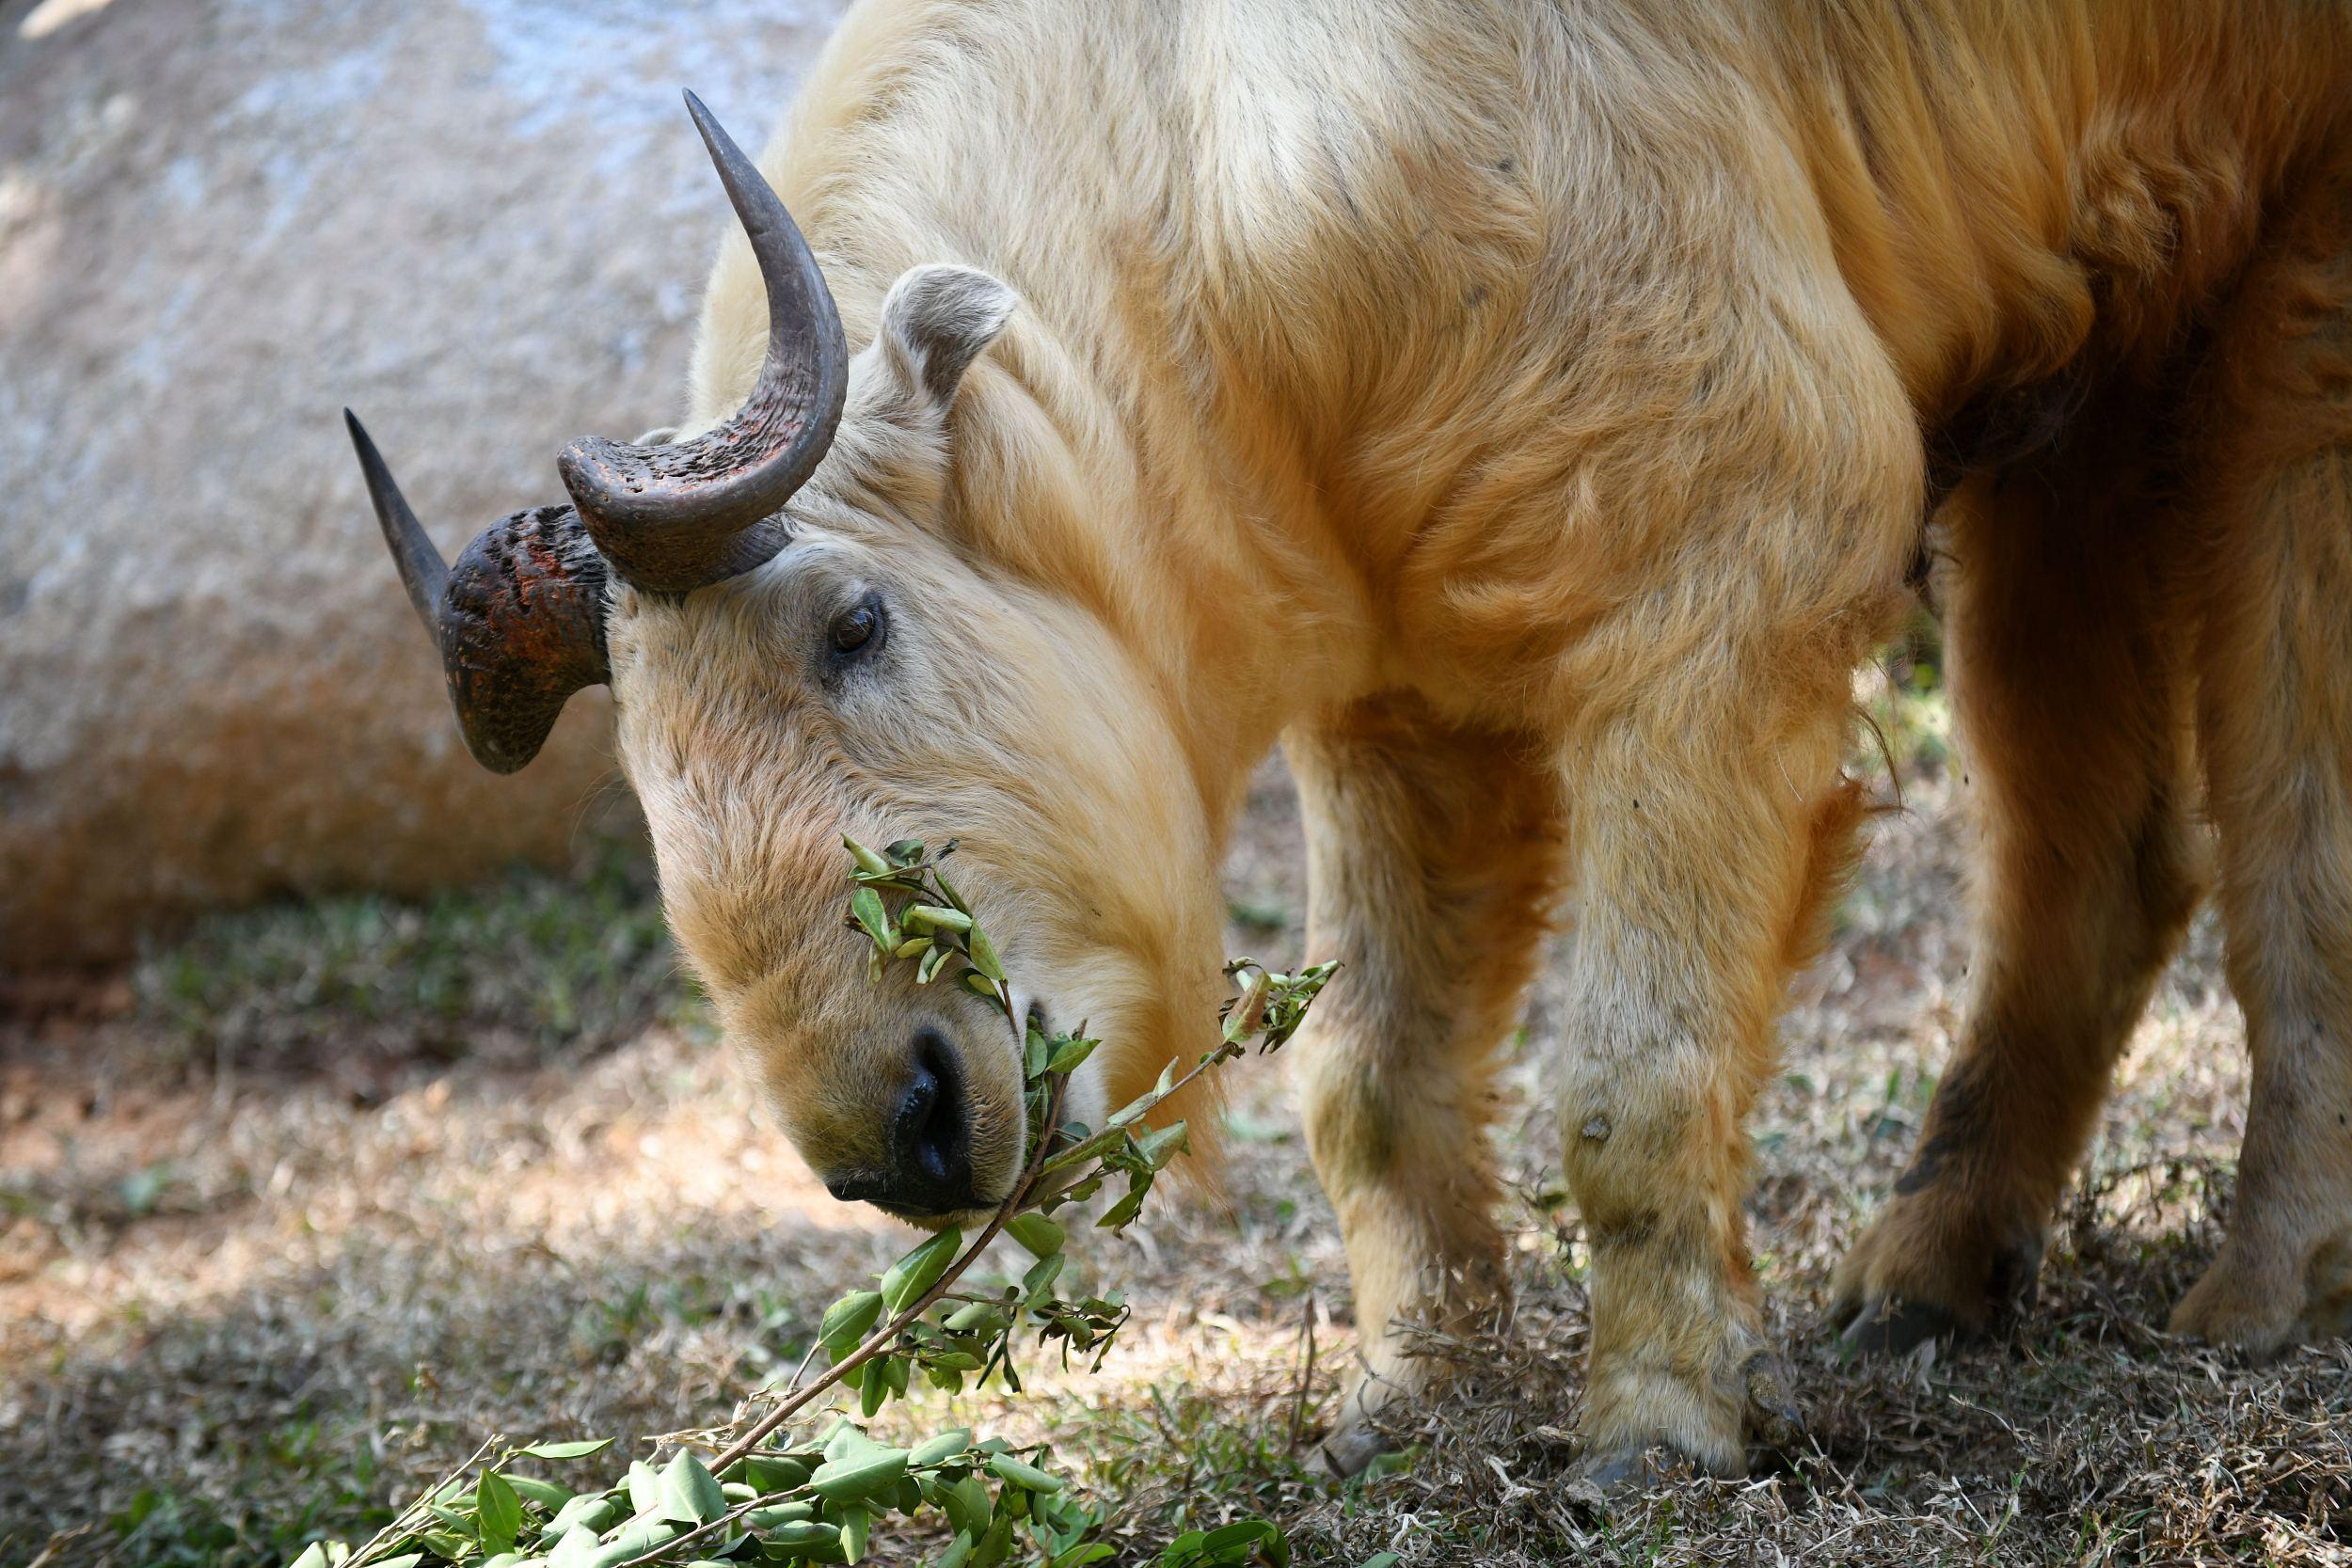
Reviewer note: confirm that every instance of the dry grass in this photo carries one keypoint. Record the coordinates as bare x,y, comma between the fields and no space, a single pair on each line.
277,1239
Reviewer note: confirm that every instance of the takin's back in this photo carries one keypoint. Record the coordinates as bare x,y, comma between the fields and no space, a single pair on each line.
1372,246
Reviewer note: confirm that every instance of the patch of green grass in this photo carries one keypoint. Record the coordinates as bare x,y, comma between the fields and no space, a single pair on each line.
580,959
334,1475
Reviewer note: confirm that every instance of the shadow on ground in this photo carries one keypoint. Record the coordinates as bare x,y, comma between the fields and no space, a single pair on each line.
250,1292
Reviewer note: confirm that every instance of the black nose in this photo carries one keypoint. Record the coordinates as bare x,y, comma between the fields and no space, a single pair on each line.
930,1170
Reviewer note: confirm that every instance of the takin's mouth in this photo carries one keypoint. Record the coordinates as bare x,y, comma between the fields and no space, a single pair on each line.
962,1219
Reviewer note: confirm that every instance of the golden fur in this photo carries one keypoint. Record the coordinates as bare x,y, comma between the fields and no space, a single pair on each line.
1531,411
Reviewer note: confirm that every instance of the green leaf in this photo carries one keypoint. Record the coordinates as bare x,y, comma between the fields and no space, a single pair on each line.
576,1548
690,1493
906,851
803,1533
1093,1551
545,1493
1041,1275
598,1512
905,1280
855,1522
959,1551
847,1322
1231,1542
1041,1236
595,1511
568,1451
1162,1144
847,1437
637,1538
979,983
959,1514
498,1511
1123,1212
984,954
1027,1476
1069,1053
996,1545
1248,1009
866,860
866,907
1381,1559
644,1487
313,1555
856,1477
938,1449
771,1473
976,1317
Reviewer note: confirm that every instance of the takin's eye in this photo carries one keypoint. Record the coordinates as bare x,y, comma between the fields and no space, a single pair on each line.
857,629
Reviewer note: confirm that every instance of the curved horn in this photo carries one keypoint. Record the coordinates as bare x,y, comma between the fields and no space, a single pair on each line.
681,517
520,620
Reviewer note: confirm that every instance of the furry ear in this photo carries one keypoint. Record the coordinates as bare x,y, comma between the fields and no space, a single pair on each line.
935,321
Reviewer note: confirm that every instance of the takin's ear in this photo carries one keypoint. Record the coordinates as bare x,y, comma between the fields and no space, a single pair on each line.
935,323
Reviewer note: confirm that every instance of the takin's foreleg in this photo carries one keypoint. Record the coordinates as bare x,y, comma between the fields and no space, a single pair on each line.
1432,852
1706,849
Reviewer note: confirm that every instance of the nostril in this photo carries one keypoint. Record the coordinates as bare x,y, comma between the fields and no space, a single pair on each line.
917,1112
931,1133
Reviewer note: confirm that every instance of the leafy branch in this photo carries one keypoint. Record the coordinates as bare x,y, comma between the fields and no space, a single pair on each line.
769,1496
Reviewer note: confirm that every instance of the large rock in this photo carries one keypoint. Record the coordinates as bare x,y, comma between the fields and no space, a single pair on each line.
484,227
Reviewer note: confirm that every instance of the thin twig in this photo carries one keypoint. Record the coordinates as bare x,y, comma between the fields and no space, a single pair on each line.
359,1557
768,1500
1306,1373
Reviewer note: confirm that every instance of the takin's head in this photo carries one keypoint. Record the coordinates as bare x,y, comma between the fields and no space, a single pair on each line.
797,651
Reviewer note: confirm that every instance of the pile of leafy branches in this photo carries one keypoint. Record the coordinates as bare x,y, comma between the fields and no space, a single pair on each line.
793,1486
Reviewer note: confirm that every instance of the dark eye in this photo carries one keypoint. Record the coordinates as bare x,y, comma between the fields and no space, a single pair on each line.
856,626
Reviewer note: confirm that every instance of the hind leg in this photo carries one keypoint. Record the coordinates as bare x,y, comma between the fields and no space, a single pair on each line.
1432,852
2072,706
2276,724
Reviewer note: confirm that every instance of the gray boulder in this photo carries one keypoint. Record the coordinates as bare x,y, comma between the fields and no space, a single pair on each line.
483,226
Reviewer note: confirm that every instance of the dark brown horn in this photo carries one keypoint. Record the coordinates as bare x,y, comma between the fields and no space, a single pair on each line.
681,517
520,620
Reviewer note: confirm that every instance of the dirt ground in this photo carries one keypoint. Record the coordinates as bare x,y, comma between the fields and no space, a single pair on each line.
296,1213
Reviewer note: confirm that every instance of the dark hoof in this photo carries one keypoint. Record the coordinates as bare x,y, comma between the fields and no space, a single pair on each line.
1622,1471
1775,1419
1350,1446
1896,1327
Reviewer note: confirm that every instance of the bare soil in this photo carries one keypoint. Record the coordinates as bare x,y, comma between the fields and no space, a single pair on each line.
261,1276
